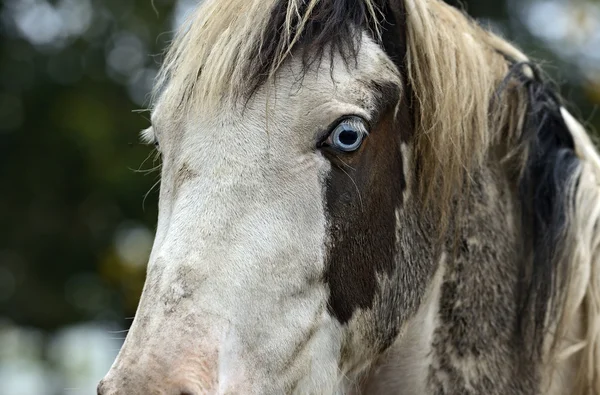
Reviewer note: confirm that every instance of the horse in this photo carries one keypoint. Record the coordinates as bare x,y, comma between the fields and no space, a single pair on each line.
364,197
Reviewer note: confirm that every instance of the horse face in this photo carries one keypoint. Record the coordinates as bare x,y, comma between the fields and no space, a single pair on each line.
278,242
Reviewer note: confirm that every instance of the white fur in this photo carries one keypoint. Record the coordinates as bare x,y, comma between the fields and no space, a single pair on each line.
404,368
241,228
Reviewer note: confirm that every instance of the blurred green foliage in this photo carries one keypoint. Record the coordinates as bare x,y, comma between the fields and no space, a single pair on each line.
68,144
71,204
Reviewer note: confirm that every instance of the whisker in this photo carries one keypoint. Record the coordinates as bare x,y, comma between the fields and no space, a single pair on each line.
148,193
146,171
344,377
153,2
117,332
344,163
356,186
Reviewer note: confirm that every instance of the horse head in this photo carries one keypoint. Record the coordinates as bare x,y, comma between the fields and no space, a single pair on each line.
363,197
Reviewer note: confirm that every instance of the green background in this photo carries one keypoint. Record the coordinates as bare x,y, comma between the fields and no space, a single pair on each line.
77,212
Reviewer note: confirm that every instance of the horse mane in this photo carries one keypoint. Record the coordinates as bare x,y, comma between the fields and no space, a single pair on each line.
579,322
229,48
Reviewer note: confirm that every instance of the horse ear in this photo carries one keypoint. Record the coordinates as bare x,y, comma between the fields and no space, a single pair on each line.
393,31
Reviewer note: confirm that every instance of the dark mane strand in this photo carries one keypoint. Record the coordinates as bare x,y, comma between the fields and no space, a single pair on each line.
333,26
544,195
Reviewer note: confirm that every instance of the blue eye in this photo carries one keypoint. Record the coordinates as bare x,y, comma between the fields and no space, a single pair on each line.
348,135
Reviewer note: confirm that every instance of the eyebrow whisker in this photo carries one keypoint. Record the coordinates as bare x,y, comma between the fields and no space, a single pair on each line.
356,186
344,163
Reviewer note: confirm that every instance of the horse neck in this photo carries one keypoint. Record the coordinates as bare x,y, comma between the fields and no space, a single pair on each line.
462,340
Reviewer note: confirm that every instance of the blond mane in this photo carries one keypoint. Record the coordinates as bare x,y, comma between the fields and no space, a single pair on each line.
578,327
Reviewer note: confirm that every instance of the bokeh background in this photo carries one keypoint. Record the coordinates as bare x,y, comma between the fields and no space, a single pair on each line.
78,192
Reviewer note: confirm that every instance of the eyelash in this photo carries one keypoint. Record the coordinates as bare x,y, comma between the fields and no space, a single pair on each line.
326,135
149,137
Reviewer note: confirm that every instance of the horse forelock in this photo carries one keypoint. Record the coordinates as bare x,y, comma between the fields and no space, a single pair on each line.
227,49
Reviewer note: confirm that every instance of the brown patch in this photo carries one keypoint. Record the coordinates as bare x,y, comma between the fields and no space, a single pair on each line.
184,174
366,188
363,192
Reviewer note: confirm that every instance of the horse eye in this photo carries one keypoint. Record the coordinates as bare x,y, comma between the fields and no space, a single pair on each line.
348,135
